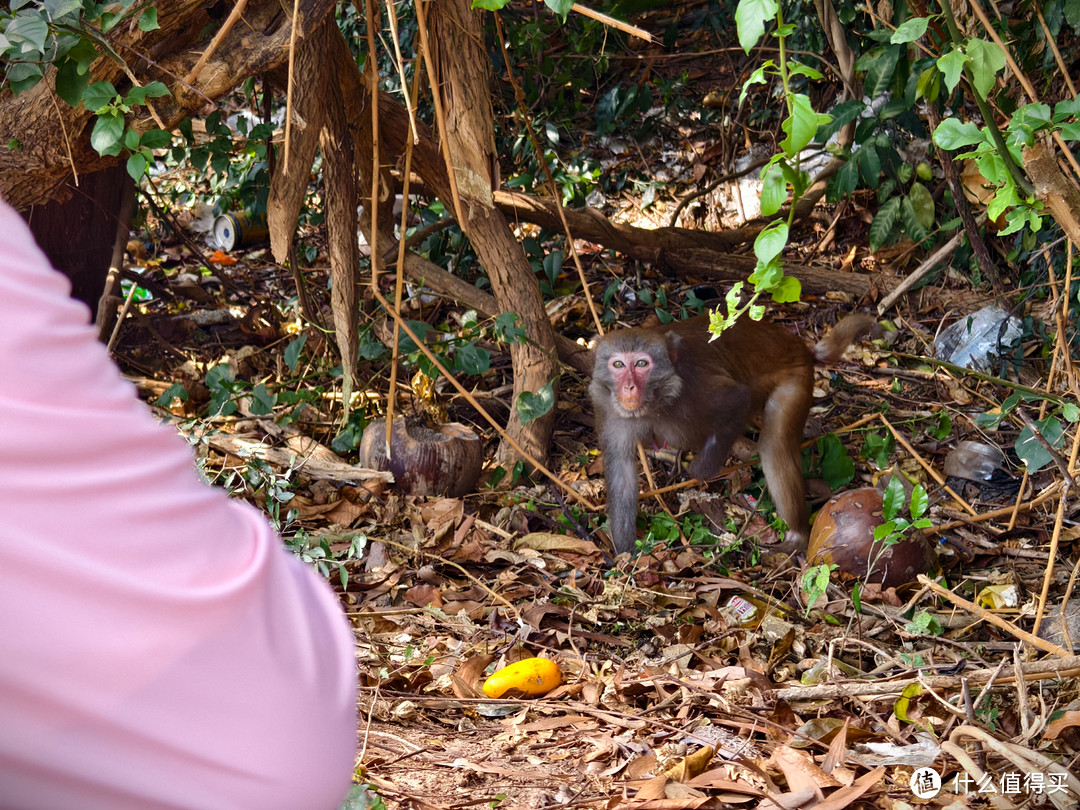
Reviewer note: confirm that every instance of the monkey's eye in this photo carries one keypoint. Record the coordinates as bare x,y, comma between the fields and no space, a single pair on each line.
641,362
617,364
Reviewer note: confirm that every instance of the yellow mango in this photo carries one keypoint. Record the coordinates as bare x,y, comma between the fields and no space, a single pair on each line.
532,676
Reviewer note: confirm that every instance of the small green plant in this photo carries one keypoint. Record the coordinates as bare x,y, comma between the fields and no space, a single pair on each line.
896,527
815,583
924,624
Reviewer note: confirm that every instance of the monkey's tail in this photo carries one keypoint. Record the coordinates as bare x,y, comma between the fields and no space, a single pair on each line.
847,331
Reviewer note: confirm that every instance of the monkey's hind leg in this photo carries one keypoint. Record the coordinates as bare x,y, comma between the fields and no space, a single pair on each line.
781,460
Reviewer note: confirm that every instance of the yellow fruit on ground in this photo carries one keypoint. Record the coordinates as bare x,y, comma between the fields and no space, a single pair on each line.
532,676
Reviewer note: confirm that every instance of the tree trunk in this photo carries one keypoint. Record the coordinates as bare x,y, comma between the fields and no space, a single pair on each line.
78,235
461,72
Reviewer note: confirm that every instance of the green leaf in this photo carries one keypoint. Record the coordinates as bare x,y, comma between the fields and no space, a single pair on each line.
532,406
884,222
489,5
987,59
1030,449
136,165
262,401
131,140
920,502
869,163
912,225
773,190
560,7
802,125
98,95
23,76
922,203
156,139
787,291
892,500
292,352
771,241
880,66
952,134
70,83
1071,412
842,114
174,391
58,8
108,133
1067,109
952,67
148,20
750,19
472,359
909,30
29,30
837,468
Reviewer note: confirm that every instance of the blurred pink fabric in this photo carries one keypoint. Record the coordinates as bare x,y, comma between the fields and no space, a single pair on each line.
159,648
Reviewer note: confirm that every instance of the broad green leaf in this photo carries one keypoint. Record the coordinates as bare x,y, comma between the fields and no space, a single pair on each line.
489,5
919,502
892,500
136,165
98,95
108,133
837,468
148,20
292,352
801,126
22,76
922,202
773,190
841,114
788,291
1067,108
156,139
880,66
987,59
952,67
928,85
131,140
70,83
771,241
750,19
560,7
58,8
799,69
532,406
262,401
1071,412
1031,451
953,134
472,359
909,30
869,163
30,30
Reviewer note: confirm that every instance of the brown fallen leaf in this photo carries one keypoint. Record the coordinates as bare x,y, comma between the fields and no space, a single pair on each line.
546,541
466,680
691,766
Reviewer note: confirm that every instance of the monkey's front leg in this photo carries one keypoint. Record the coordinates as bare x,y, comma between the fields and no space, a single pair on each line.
729,410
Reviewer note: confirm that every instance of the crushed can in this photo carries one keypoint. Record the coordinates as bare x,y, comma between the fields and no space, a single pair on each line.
242,230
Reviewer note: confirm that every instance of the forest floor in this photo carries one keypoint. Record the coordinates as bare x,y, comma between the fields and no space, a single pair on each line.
701,672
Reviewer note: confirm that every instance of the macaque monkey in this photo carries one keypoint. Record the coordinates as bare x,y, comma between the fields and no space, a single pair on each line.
669,385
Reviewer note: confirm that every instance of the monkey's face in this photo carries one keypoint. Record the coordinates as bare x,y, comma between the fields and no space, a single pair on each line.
630,370
634,374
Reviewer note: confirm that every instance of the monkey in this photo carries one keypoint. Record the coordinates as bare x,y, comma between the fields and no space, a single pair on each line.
670,386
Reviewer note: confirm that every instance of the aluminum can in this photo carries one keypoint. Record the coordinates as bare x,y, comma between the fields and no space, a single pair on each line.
242,230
